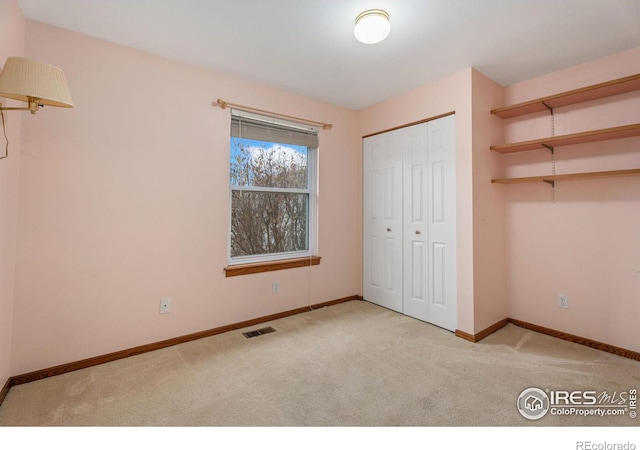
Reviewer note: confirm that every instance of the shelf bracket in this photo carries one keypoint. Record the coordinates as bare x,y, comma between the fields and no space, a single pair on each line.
548,147
548,107
550,182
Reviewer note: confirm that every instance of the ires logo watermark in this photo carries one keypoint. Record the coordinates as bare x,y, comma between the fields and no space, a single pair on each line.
534,403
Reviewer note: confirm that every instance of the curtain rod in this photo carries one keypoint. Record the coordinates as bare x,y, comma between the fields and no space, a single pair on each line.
223,105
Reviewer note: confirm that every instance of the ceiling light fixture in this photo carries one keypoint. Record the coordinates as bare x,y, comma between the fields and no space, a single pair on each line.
372,26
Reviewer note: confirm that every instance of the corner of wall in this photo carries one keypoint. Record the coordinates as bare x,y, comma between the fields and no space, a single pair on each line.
489,247
12,34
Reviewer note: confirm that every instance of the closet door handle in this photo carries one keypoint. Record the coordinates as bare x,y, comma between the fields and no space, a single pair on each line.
418,232
388,229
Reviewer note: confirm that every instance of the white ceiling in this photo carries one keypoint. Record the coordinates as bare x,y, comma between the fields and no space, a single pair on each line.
308,47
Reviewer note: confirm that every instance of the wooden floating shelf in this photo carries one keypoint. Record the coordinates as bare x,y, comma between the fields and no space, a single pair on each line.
594,92
569,176
570,139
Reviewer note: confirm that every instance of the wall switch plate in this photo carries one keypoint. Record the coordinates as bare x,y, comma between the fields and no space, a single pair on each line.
165,305
563,301
275,287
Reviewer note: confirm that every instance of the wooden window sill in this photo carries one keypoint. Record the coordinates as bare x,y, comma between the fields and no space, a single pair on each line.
246,269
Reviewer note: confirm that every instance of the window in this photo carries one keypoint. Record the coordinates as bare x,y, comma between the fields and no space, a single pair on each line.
272,187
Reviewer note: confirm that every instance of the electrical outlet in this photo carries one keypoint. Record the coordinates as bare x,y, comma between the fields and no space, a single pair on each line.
563,301
165,305
275,287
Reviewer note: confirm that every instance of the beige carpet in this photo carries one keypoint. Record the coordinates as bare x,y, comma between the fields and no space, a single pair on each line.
352,364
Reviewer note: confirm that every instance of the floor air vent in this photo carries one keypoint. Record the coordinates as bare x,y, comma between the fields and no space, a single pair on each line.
261,331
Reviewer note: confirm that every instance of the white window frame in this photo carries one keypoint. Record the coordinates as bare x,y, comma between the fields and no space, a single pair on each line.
311,191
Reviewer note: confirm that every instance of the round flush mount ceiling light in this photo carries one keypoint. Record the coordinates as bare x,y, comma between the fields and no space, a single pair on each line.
372,26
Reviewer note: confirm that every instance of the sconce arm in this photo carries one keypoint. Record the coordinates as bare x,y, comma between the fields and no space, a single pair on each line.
34,104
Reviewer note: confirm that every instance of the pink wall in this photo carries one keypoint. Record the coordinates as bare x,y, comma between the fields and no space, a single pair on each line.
12,27
489,252
124,199
586,243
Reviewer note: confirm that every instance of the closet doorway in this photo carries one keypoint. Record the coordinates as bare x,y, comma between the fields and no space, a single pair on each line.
409,221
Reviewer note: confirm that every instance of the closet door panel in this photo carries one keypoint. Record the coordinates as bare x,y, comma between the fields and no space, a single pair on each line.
442,276
415,261
382,222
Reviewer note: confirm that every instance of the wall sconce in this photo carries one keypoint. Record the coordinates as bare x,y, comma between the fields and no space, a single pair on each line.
34,82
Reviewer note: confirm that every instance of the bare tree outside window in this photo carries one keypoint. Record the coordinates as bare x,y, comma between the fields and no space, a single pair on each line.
270,198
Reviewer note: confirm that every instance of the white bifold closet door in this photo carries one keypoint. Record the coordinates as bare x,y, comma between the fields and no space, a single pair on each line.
409,221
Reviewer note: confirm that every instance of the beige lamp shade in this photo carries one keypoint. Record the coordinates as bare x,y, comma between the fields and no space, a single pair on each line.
25,80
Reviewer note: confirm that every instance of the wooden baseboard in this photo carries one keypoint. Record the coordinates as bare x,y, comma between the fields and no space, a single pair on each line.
577,339
550,332
484,333
90,362
5,390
